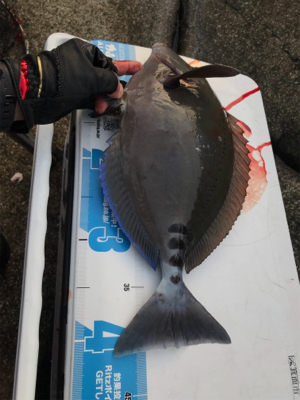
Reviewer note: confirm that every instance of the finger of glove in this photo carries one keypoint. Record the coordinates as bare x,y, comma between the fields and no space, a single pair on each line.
118,93
101,104
92,53
97,58
100,60
107,81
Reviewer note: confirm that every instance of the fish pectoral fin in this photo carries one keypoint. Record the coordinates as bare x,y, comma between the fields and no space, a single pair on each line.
208,71
170,319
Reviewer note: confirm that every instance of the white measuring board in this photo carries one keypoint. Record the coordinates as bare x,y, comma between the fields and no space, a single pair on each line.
249,284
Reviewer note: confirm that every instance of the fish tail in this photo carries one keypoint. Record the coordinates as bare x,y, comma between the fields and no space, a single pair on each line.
172,317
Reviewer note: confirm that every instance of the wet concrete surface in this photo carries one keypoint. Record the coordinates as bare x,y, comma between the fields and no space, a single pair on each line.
214,31
262,42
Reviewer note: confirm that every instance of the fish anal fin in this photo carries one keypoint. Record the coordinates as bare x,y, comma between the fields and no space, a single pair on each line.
232,205
114,188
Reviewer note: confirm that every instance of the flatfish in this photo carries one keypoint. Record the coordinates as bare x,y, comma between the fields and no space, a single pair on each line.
175,176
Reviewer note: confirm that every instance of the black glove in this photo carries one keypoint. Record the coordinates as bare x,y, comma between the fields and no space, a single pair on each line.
64,79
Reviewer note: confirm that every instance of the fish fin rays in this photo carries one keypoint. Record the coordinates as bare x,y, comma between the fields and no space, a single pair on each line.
210,71
207,71
170,320
117,196
232,205
168,63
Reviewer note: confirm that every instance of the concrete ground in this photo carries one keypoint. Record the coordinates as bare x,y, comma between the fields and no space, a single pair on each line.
258,39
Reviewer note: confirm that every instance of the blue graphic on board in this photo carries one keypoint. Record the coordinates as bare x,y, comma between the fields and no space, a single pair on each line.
97,374
116,51
95,215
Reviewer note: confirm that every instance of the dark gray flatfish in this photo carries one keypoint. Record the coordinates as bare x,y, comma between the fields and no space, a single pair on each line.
175,176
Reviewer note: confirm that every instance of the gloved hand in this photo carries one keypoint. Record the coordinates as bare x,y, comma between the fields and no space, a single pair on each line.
61,80
124,67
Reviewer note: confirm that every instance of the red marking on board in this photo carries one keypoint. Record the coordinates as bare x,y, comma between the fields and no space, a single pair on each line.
247,131
258,173
195,63
258,177
241,98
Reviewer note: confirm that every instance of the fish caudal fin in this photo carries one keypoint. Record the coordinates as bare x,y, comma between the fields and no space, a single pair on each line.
170,318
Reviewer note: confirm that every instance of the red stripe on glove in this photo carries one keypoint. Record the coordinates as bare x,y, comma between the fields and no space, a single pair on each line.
23,83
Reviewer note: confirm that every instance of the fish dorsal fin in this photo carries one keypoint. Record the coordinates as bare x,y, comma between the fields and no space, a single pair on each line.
207,71
232,205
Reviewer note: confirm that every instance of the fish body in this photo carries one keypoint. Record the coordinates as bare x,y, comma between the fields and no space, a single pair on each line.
175,176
